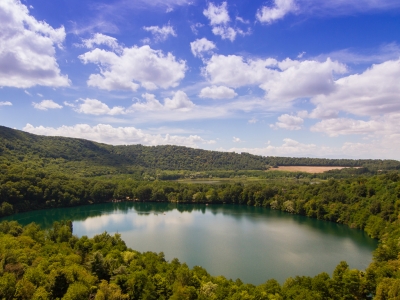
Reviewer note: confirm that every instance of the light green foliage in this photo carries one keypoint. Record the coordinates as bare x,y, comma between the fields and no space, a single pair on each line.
41,172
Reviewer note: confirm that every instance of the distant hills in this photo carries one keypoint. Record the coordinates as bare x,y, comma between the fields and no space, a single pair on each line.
75,154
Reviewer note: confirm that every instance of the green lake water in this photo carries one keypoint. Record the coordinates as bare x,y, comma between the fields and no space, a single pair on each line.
251,243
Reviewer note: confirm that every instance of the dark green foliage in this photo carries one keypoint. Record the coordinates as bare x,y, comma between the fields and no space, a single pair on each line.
82,157
43,172
61,265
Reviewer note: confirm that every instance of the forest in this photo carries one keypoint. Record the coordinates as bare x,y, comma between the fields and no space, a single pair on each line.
77,156
44,172
38,264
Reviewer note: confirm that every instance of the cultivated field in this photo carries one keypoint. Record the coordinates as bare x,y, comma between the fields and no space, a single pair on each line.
307,169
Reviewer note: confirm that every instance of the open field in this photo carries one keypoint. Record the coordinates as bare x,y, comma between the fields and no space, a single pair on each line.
307,169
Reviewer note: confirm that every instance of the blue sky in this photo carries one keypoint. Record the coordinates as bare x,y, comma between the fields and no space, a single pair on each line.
299,78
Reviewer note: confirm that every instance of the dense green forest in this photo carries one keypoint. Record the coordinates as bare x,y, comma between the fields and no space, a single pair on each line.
42,172
53,264
37,264
77,156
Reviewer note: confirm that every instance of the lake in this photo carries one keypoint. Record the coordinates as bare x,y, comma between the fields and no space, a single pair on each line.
251,243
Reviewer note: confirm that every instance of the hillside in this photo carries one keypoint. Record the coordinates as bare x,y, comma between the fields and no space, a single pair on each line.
75,155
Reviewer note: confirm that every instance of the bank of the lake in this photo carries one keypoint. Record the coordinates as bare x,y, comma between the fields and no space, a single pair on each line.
251,243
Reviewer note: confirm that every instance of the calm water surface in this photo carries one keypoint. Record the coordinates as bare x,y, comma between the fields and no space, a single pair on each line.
250,243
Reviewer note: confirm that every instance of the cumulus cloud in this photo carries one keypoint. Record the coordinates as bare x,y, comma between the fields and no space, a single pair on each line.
5,103
298,79
345,126
27,49
289,122
373,95
161,33
217,14
373,92
236,140
282,80
226,33
179,101
46,105
150,104
96,107
135,66
105,133
270,14
99,39
201,45
219,21
378,127
217,92
234,71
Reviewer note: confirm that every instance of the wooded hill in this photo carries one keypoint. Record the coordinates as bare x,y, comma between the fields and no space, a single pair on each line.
78,154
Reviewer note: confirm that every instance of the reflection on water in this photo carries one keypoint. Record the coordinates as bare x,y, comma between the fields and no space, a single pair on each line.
252,243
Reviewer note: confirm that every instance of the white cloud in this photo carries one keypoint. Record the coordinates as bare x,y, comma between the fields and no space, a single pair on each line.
289,122
377,127
194,28
150,68
345,126
217,92
300,55
299,79
386,148
278,11
201,45
179,101
105,133
381,54
236,140
26,92
280,8
219,20
40,95
5,103
101,39
161,33
27,49
46,104
241,20
283,81
96,107
373,92
289,147
217,14
233,71
151,104
226,33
